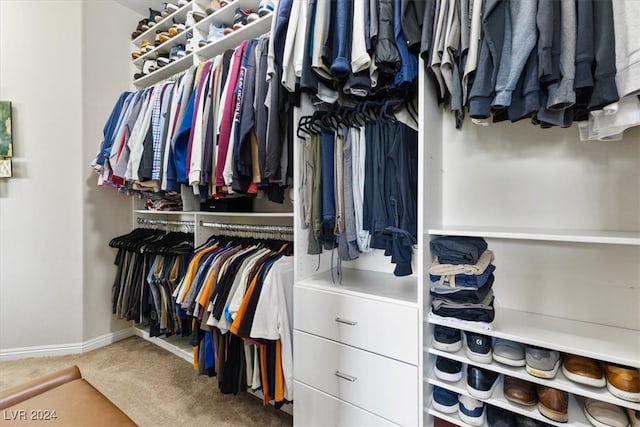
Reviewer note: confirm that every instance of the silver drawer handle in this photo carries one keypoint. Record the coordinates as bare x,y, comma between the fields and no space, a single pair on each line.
345,376
346,322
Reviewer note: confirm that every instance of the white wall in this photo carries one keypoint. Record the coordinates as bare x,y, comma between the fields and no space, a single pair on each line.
40,209
62,73
106,73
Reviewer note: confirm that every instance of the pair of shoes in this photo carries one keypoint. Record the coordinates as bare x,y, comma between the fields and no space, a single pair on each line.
446,339
176,29
143,25
477,346
265,7
448,370
509,353
553,403
583,370
444,400
163,59
161,37
149,66
155,16
498,417
470,410
212,7
520,391
606,414
243,17
623,381
169,8
541,362
176,52
481,382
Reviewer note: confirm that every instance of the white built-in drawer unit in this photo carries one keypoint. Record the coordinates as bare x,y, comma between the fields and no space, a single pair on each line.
315,408
386,328
378,384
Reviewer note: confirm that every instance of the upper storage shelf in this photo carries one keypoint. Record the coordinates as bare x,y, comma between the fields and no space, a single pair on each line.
553,235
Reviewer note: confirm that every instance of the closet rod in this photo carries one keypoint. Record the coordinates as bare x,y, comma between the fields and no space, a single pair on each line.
282,229
163,222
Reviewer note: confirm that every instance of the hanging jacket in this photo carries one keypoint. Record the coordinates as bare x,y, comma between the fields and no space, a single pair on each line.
605,90
110,128
411,19
548,23
387,57
408,71
626,21
482,91
585,56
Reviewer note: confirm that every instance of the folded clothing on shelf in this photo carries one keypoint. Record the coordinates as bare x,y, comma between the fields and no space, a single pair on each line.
477,268
477,312
458,249
454,322
472,281
462,295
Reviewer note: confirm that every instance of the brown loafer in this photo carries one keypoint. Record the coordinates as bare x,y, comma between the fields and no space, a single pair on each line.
583,370
623,382
520,391
553,403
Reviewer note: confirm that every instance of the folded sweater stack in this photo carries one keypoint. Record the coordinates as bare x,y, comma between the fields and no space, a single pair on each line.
462,279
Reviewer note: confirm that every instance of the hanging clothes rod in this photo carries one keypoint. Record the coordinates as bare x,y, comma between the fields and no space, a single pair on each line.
250,228
150,221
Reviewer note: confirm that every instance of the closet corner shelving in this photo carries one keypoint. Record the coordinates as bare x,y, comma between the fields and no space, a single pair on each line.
266,213
199,31
563,219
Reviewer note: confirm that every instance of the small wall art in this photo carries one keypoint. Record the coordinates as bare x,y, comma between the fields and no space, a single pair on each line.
6,140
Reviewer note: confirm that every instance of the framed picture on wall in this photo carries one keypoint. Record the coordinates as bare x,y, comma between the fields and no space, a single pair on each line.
6,141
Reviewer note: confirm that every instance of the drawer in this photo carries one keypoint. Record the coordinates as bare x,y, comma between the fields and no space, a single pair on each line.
384,386
384,328
315,408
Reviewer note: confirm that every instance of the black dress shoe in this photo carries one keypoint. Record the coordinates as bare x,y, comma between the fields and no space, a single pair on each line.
481,382
498,417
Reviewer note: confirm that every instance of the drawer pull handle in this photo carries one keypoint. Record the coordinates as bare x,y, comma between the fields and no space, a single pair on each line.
345,376
346,322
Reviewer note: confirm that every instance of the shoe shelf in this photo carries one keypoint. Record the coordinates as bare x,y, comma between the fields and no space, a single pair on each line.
225,15
631,238
565,335
179,15
452,418
560,382
165,72
232,40
576,416
174,344
163,48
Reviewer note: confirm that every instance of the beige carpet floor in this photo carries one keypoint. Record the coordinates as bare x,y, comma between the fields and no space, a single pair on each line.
151,385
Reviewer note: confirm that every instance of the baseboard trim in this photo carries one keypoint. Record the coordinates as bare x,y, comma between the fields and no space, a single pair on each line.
66,349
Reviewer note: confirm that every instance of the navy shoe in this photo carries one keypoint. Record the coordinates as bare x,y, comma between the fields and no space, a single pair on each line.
498,417
448,370
445,401
446,339
481,382
478,347
471,411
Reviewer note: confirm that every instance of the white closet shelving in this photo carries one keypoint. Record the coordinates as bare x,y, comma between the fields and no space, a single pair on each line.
222,17
563,219
265,212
